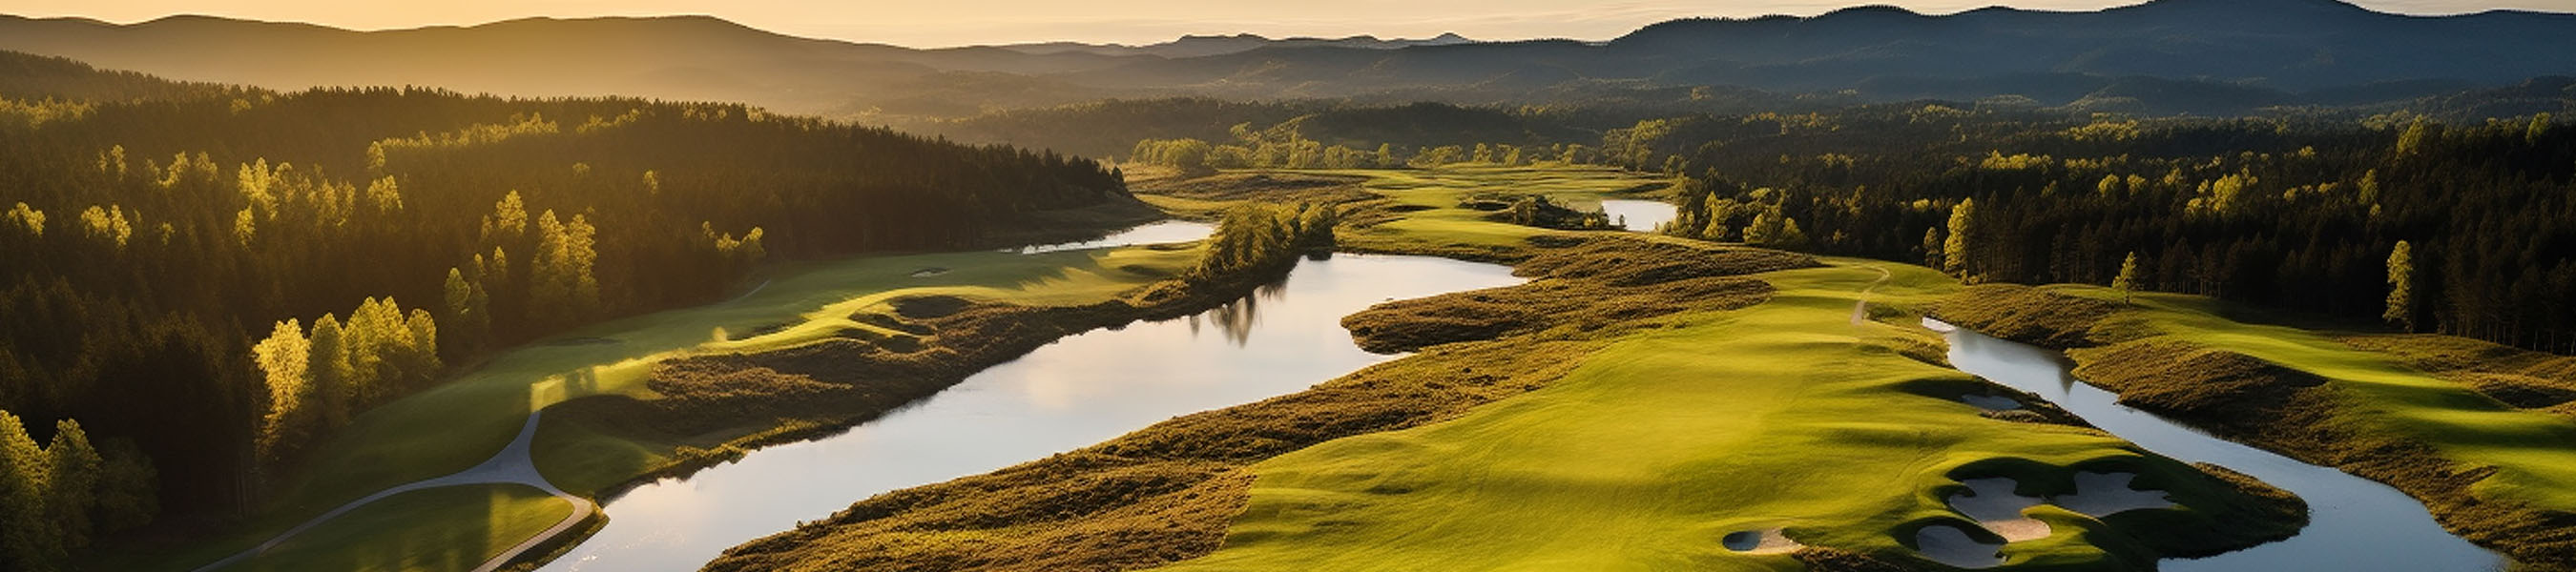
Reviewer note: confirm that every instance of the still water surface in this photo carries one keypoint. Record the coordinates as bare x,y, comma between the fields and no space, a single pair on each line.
1149,233
2355,524
1637,215
1081,390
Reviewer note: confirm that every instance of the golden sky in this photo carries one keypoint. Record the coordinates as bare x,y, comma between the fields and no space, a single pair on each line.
963,22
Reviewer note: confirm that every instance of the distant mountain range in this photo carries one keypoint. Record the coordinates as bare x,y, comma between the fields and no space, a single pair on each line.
1199,46
2164,56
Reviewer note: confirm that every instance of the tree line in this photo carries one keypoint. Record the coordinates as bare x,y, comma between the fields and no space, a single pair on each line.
222,278
2466,229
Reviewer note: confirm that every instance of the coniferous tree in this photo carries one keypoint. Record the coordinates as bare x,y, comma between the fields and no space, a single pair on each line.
2401,286
1955,250
28,537
2127,281
75,472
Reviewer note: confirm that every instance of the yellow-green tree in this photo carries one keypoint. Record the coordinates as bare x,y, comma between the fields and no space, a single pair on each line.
332,372
1955,250
2401,286
74,472
28,540
2127,281
27,218
283,358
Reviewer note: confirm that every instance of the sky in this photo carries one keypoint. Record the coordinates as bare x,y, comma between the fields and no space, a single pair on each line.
967,22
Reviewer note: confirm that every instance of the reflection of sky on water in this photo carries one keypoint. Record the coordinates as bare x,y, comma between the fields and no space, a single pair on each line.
2354,523
1150,233
1078,391
1636,215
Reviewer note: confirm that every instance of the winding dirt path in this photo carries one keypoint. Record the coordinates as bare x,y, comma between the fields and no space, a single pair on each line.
512,465
1860,307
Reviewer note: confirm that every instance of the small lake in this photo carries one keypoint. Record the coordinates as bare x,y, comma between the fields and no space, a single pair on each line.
1637,215
1081,390
2354,523
1148,233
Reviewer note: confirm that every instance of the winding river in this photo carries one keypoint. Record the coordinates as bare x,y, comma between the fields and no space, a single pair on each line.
1081,390
2354,523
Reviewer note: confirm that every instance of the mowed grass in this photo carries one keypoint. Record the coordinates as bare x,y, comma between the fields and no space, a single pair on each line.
1438,192
450,528
459,424
1793,413
2534,453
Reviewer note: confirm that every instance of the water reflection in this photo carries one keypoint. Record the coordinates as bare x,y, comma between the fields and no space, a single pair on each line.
1236,319
1637,215
1150,233
1078,391
2354,523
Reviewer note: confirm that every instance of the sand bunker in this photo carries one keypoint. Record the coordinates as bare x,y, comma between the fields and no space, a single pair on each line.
1992,503
1764,541
1951,545
1991,402
929,272
1994,506
2103,494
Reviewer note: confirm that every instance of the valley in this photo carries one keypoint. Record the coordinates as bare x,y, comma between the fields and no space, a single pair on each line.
2193,285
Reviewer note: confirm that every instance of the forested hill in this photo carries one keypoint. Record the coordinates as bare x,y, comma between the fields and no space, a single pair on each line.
222,277
2208,57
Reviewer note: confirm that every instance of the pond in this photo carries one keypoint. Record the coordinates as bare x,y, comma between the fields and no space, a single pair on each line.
2354,523
1149,233
1637,215
1081,390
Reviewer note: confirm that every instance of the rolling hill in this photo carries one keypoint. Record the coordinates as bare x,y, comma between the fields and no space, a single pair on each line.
2163,56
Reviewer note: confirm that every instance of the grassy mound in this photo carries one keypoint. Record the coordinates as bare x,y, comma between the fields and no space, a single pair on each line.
1598,287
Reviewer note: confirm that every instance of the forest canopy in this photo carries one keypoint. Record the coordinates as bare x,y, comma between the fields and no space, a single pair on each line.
248,270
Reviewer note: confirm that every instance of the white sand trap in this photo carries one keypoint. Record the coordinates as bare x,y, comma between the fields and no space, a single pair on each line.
1992,503
1991,402
2103,494
1938,326
1764,541
1951,545
929,272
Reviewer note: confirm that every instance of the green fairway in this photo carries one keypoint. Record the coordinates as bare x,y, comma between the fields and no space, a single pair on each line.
452,528
1781,415
1437,194
1788,414
2534,453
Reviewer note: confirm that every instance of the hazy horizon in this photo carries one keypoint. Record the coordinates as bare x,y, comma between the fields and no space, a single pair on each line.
989,22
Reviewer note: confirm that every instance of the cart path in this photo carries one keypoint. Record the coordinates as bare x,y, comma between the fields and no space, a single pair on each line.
512,465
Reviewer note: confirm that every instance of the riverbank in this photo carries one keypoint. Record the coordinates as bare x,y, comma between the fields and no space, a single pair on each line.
2501,476
460,423
1638,400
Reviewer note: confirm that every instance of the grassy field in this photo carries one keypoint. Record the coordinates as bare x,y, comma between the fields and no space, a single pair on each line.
1432,220
450,528
2534,453
462,422
1657,446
